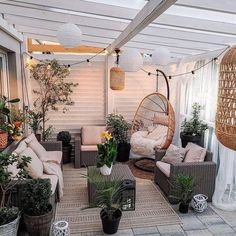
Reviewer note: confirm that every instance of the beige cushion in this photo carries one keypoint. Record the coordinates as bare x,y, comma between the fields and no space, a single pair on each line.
53,180
91,135
195,153
159,135
89,148
35,167
33,143
174,154
161,119
54,156
21,147
164,168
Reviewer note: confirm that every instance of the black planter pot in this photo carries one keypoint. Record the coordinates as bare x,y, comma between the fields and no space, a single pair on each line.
110,226
199,140
123,152
183,207
66,153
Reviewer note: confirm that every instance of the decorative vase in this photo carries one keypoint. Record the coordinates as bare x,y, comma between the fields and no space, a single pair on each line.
123,152
3,139
183,207
61,228
105,170
199,202
185,139
11,228
66,153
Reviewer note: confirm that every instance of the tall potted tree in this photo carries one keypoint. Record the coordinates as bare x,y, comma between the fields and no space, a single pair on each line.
193,130
52,90
119,128
65,137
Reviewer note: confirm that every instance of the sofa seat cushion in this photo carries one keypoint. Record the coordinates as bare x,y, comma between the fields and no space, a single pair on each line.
91,135
195,153
53,181
20,148
164,168
86,148
54,156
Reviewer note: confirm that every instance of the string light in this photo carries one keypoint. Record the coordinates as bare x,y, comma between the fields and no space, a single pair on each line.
48,66
192,72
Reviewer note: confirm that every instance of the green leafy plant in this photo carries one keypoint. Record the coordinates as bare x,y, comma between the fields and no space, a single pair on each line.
107,151
108,192
36,197
53,91
34,119
118,127
183,188
65,137
7,214
195,126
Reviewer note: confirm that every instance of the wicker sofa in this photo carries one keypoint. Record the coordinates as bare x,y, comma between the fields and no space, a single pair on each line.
204,174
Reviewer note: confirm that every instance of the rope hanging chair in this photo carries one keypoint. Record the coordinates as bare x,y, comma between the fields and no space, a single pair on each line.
226,105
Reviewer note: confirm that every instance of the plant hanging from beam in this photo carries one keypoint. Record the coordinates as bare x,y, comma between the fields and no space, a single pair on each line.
52,92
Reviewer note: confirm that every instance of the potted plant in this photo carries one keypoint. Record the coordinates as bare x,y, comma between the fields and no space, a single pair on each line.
183,191
34,119
10,216
193,130
107,152
17,117
108,198
119,127
65,137
38,212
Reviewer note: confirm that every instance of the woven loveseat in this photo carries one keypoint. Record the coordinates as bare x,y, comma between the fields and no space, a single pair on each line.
204,174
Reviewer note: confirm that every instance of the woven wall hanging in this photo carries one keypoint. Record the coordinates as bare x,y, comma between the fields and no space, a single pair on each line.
226,105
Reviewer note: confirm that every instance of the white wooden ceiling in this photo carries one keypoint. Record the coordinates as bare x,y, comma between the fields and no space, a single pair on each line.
188,27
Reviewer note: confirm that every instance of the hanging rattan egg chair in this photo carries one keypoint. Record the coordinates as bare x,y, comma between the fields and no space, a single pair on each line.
226,105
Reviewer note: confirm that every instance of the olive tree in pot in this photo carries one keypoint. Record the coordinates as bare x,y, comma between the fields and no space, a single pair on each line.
119,128
194,129
107,197
38,212
10,216
65,137
183,191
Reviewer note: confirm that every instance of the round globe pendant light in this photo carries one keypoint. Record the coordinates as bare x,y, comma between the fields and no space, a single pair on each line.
131,60
161,56
117,75
69,35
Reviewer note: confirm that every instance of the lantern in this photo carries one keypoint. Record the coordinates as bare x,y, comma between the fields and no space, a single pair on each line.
161,56
226,105
69,35
131,60
117,78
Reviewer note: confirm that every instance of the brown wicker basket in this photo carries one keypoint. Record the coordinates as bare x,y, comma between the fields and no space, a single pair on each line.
226,105
3,139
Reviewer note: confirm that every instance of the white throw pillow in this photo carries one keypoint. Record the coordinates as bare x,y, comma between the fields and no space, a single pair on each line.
195,153
40,151
21,147
35,167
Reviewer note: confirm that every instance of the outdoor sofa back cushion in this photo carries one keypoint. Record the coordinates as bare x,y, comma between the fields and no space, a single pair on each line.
91,135
195,153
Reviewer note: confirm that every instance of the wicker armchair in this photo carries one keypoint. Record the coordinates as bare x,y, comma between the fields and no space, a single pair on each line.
204,174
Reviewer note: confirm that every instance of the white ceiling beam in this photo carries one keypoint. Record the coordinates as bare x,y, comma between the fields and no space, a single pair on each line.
152,10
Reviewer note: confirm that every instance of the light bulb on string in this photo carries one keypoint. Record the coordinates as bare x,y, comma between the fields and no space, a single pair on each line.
48,66
89,63
69,67
216,60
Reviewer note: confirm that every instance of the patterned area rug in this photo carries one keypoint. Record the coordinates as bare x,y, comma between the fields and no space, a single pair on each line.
151,207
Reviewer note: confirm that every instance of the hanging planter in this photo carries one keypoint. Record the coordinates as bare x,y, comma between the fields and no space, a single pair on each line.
226,105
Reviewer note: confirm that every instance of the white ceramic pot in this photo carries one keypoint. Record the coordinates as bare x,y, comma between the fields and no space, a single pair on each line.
105,170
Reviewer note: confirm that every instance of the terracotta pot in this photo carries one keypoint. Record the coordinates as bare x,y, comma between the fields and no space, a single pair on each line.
3,139
17,124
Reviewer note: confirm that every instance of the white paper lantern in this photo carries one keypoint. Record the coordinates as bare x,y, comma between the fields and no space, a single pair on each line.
161,56
131,60
69,35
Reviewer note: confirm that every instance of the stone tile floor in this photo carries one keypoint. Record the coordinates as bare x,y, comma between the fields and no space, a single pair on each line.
212,222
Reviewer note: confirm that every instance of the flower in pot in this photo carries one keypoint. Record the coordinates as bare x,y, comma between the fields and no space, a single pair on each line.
65,137
183,191
38,212
107,197
34,120
107,152
17,117
10,216
193,130
119,128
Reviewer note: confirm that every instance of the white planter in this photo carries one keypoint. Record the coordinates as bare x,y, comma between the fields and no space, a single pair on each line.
105,170
61,228
11,228
199,202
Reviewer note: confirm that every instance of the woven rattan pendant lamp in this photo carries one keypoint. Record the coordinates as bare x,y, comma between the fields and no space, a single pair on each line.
226,105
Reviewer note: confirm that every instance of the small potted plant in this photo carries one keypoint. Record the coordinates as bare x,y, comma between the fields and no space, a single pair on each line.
34,120
17,117
38,212
119,128
183,191
107,197
10,216
107,152
65,137
193,130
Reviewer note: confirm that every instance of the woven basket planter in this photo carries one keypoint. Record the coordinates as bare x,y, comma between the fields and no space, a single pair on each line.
226,105
3,139
11,228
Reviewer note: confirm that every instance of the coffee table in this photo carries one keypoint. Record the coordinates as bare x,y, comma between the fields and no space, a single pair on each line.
122,172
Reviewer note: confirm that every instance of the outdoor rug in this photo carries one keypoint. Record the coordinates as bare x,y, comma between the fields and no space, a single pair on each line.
151,207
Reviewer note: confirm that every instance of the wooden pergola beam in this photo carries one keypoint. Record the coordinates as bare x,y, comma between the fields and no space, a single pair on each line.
58,48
